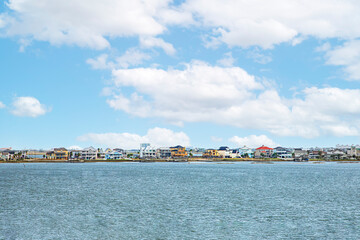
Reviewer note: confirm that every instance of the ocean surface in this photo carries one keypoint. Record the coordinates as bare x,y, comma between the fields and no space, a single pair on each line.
179,201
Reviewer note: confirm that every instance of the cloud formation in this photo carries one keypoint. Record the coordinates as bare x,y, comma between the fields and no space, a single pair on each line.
229,95
132,57
347,56
267,23
88,23
2,105
253,141
28,107
158,137
234,22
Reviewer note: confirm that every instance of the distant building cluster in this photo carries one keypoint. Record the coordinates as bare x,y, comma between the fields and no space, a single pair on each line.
146,151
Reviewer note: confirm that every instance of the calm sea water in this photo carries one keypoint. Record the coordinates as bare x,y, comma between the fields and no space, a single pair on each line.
180,201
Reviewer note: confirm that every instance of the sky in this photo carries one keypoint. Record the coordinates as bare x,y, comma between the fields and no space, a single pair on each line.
201,73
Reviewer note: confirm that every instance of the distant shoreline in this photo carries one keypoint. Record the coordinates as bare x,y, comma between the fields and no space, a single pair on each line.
179,160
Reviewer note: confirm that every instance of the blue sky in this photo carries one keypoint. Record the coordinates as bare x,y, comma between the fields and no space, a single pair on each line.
197,73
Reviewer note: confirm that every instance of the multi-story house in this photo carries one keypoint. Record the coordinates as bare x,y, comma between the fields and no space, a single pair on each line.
354,151
246,152
211,153
113,155
178,152
163,153
224,152
263,151
146,151
89,153
133,153
61,153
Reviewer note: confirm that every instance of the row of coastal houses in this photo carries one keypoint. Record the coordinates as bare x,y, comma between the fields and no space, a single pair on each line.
146,151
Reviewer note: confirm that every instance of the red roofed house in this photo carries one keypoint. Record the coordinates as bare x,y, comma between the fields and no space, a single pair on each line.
263,151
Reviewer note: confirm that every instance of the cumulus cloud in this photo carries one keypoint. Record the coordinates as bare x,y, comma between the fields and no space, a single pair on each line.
100,62
28,107
88,23
234,22
132,57
347,56
229,95
150,42
2,105
267,23
253,141
158,137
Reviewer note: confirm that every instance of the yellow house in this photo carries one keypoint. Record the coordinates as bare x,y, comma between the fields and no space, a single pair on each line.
61,153
210,153
50,155
178,152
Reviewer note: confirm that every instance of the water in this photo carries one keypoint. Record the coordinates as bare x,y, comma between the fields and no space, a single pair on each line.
180,201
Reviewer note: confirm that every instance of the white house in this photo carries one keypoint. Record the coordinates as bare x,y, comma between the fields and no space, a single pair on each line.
89,153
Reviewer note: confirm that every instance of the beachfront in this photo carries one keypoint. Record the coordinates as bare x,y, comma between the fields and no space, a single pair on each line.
146,152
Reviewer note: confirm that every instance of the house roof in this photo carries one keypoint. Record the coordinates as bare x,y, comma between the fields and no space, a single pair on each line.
178,146
60,149
264,148
224,148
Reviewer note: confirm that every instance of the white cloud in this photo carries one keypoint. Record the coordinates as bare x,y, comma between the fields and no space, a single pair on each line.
2,105
323,48
253,141
258,57
235,22
158,137
28,107
132,57
101,62
75,148
227,61
230,96
150,42
348,56
88,23
267,23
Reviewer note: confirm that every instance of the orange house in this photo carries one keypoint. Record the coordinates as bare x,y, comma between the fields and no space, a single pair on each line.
178,152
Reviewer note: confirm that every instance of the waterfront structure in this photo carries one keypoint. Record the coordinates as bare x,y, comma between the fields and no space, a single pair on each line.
133,153
75,154
61,153
178,152
89,153
211,153
113,155
197,152
163,153
300,153
246,152
354,151
282,153
263,151
224,152
146,151
234,153
33,154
